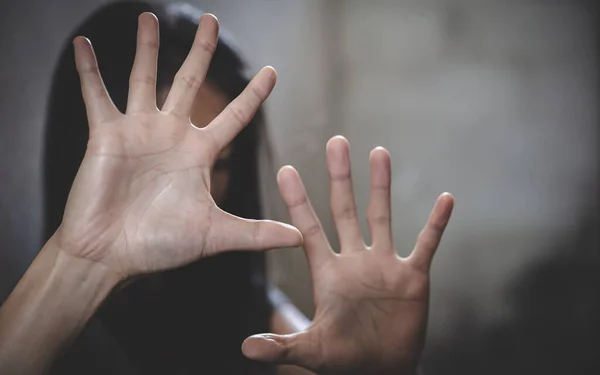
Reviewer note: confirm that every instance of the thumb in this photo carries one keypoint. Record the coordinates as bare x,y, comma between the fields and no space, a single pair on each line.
230,232
295,349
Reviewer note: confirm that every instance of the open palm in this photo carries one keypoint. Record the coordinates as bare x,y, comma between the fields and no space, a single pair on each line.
141,199
371,305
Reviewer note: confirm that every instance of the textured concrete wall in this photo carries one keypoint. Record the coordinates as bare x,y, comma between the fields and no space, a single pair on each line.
493,101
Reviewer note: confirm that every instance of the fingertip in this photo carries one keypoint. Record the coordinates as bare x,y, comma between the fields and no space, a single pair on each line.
250,347
450,206
209,17
81,41
337,146
338,142
147,17
290,227
84,52
208,28
447,200
337,153
381,171
263,83
291,188
286,173
379,152
270,74
299,240
288,234
441,212
76,48
272,71
380,155
262,348
447,196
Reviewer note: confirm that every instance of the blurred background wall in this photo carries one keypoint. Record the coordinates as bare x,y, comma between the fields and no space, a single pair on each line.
494,101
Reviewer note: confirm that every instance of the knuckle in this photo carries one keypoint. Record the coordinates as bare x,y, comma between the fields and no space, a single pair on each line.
88,69
190,81
341,177
207,46
298,202
312,230
148,44
259,92
239,114
346,212
144,79
379,220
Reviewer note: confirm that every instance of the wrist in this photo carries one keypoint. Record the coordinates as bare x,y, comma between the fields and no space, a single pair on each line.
72,277
81,255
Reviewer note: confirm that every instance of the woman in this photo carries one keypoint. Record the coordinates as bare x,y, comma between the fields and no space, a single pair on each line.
160,319
143,202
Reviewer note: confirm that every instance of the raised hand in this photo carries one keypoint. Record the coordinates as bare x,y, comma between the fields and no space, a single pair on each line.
371,304
141,200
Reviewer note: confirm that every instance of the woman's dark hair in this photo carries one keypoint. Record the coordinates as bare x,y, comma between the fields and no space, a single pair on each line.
191,319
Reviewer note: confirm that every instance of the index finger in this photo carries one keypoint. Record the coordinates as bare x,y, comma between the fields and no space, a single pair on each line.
431,235
243,108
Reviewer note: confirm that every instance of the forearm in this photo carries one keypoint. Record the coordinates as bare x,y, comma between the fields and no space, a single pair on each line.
48,308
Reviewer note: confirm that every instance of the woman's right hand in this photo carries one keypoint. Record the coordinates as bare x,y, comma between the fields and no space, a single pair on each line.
141,200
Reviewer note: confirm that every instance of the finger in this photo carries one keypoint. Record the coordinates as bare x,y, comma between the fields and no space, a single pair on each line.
241,111
142,82
190,77
303,217
230,232
301,349
343,206
430,236
98,104
379,211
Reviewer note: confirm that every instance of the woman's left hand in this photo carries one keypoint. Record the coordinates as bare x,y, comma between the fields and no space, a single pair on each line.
371,304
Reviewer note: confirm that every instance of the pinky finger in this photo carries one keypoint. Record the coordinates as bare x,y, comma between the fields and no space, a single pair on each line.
98,104
431,235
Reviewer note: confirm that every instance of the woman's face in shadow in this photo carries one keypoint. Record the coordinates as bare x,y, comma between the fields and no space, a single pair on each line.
209,103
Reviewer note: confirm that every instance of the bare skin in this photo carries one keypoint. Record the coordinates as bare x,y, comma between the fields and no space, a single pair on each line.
140,202
371,305
161,165
209,103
